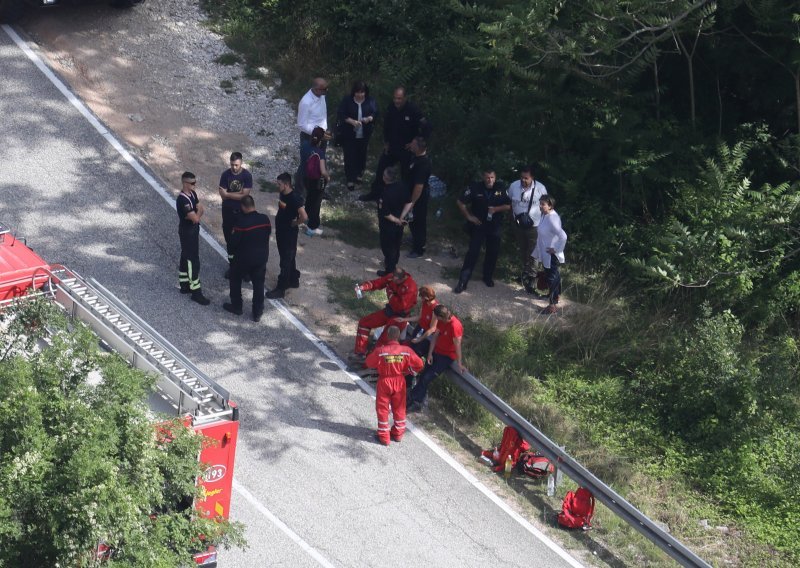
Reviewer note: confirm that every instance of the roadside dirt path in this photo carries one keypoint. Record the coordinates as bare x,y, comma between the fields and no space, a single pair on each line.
150,74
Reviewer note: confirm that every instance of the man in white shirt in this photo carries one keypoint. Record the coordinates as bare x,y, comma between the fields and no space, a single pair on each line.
525,194
313,109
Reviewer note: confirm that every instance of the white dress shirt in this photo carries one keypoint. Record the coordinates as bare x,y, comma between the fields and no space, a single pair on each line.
550,235
521,199
312,112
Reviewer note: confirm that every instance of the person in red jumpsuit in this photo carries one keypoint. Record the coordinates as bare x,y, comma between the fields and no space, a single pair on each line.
401,290
425,325
393,362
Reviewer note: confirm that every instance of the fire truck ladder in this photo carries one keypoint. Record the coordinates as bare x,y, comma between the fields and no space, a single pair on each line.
182,385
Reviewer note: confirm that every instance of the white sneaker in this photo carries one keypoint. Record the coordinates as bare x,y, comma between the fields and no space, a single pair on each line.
317,231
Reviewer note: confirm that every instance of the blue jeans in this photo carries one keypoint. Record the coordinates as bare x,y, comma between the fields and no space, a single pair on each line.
553,279
439,364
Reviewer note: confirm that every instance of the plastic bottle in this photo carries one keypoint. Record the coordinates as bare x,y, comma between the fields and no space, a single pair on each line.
496,455
359,293
489,216
551,485
508,466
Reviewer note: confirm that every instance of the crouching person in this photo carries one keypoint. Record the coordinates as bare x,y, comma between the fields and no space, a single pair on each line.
401,290
393,362
444,349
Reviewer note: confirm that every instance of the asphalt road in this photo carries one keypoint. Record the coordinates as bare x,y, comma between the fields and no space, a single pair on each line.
311,484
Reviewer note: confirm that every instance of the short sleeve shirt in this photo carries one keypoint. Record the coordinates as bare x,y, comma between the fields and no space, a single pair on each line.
288,206
426,314
393,198
479,198
448,331
235,183
419,171
185,204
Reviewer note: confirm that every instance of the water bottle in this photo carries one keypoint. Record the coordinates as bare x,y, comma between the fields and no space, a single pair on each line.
489,216
496,455
551,485
508,467
359,293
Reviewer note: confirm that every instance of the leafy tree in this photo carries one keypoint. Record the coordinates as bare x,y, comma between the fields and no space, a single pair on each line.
80,460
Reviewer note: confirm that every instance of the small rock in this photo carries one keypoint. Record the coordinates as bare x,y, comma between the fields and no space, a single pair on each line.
136,117
704,524
723,530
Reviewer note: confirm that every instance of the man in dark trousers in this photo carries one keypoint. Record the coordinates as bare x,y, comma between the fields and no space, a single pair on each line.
444,349
401,123
291,214
190,210
390,223
249,246
235,183
487,202
393,362
416,177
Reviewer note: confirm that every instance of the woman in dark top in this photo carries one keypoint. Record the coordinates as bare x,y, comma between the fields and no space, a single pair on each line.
355,123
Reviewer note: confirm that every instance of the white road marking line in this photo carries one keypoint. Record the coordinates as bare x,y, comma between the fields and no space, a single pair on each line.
81,107
281,307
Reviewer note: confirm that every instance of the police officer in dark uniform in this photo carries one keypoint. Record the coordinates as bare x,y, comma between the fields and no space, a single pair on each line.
249,246
291,214
390,223
190,210
416,177
235,184
487,200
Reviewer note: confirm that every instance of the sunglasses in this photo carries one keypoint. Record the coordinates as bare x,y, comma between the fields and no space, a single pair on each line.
190,182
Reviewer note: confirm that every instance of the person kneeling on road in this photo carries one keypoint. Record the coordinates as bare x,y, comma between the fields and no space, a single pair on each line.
249,251
393,362
445,348
401,290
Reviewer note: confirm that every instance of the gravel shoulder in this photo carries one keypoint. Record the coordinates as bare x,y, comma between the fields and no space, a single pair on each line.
151,75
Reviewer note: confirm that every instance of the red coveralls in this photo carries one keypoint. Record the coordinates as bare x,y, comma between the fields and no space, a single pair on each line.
394,362
402,298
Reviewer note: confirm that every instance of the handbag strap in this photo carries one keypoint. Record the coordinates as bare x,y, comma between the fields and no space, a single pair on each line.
533,190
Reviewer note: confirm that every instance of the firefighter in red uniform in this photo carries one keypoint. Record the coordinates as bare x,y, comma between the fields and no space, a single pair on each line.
393,362
401,290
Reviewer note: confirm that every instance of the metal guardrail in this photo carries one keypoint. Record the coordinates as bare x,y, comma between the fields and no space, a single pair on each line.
602,492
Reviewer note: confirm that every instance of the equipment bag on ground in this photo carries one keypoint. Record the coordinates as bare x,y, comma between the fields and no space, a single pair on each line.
534,465
512,445
577,510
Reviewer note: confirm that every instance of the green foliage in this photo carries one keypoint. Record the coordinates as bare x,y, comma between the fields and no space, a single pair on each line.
80,462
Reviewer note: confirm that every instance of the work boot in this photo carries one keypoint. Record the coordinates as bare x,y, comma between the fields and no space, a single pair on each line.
197,296
460,287
294,283
489,282
185,289
276,293
257,317
227,273
228,307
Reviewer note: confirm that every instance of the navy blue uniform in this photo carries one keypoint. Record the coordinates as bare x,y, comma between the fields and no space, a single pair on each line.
418,172
479,198
232,183
392,200
286,238
249,246
189,235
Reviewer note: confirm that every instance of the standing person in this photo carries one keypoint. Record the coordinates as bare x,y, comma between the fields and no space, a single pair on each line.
419,172
393,362
234,184
190,211
425,323
488,201
356,121
390,223
315,177
549,249
401,291
290,215
525,194
445,348
250,247
401,123
312,111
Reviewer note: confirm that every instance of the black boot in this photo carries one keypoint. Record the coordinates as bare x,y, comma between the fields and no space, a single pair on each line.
276,293
228,307
460,287
197,296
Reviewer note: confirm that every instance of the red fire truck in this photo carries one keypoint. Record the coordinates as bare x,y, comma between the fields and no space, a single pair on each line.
181,390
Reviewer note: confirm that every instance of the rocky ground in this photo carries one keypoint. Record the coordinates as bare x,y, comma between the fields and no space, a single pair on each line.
155,76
